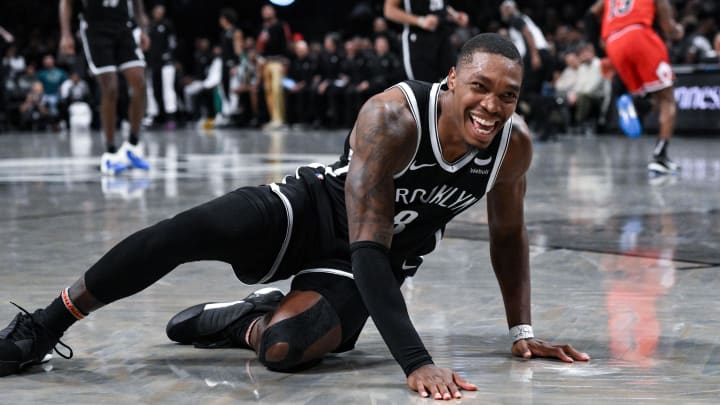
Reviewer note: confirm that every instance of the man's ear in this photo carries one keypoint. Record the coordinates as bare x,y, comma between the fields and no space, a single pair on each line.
451,78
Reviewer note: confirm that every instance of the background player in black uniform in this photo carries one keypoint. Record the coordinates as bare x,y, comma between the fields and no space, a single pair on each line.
344,232
161,61
427,26
539,66
106,29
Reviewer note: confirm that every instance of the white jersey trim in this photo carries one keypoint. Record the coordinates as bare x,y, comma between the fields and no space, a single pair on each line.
412,102
86,47
414,110
500,156
327,271
132,63
435,137
288,233
407,60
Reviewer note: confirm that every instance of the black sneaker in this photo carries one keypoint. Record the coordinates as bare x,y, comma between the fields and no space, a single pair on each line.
663,165
216,324
26,342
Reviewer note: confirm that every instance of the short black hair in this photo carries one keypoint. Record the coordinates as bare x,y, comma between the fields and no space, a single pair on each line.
229,14
490,43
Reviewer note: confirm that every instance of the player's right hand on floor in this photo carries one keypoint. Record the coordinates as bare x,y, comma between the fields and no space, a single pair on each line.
440,383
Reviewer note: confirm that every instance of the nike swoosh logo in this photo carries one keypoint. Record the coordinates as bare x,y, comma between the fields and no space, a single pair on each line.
482,162
415,166
406,267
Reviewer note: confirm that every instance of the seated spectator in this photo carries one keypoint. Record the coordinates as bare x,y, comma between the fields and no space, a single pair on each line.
73,90
245,82
302,76
389,69
26,79
716,49
15,92
559,104
566,82
715,58
380,29
51,77
200,93
582,88
353,88
12,63
371,71
201,59
696,46
329,70
34,111
591,91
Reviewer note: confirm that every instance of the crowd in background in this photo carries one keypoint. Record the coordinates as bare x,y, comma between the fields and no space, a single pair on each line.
279,76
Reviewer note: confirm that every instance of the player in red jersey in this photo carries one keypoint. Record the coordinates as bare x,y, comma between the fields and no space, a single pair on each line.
641,59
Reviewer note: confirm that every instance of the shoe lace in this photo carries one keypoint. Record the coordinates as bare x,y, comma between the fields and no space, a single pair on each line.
27,326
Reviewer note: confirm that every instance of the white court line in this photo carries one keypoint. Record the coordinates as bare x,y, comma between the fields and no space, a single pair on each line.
84,168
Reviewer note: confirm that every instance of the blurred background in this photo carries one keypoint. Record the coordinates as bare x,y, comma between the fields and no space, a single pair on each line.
32,32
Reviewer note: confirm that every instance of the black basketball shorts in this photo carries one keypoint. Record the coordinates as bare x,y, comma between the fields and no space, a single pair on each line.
295,237
110,48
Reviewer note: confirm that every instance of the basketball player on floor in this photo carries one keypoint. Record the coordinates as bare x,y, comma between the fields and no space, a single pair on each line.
641,59
350,233
106,29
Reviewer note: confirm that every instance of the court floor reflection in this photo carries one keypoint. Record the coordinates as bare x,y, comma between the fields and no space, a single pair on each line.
624,267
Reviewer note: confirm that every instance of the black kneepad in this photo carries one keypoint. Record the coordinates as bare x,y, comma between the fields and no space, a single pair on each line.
299,333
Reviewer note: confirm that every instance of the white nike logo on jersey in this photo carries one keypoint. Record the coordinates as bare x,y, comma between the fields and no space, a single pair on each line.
406,267
415,166
482,162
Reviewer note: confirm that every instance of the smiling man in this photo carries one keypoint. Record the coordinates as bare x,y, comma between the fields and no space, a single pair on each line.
418,155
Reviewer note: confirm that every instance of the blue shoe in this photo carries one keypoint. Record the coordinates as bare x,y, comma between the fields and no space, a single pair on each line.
113,163
627,116
134,156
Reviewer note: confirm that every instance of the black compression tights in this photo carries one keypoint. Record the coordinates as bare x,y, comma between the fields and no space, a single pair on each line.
237,228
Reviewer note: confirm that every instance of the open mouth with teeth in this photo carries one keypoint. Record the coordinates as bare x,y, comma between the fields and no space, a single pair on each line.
483,127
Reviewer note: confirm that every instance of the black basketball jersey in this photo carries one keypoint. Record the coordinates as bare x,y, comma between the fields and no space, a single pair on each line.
425,7
227,48
108,11
162,38
430,191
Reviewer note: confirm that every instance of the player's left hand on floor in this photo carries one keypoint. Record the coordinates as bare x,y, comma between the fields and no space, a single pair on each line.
528,348
438,383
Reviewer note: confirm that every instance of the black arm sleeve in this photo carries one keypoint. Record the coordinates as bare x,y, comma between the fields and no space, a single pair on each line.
386,305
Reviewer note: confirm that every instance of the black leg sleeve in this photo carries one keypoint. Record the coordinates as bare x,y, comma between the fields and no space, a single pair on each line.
235,228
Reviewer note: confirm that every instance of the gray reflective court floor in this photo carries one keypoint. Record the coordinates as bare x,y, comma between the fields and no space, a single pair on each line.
625,267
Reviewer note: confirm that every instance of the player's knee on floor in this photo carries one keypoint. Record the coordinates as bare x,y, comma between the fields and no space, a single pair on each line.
300,341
